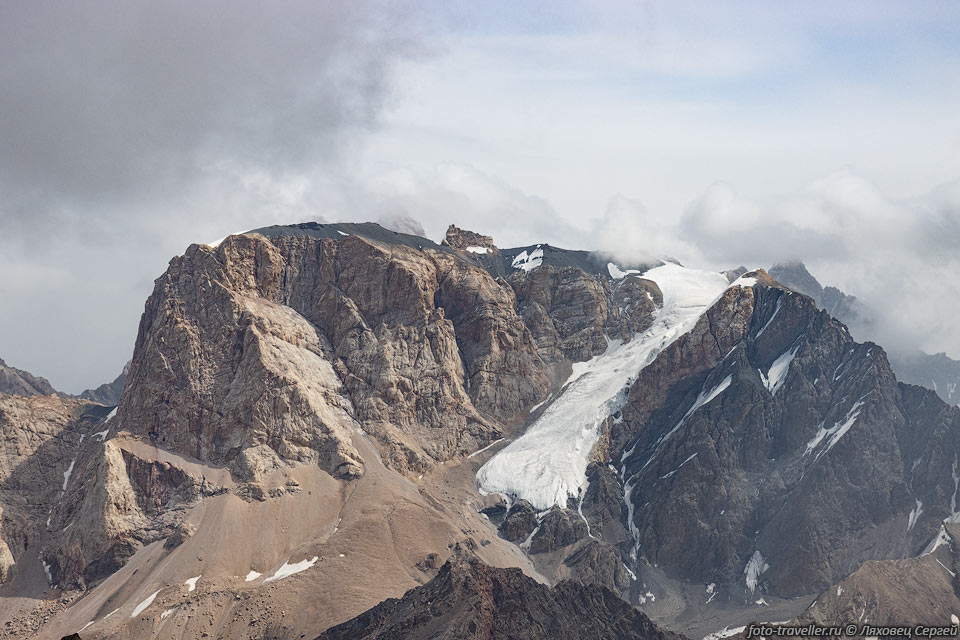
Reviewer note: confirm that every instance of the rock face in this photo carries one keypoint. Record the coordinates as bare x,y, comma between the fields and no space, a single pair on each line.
749,447
38,440
470,600
22,383
294,340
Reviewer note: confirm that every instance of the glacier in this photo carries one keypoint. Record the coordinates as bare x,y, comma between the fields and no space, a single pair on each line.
548,463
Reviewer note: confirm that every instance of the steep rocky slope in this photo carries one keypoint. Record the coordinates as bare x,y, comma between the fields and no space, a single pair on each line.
471,601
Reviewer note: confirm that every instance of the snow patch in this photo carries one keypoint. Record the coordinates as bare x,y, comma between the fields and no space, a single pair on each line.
46,570
253,575
480,250
67,473
777,373
101,435
112,413
140,608
939,540
726,632
839,591
191,583
287,569
752,572
548,463
744,282
915,514
835,432
342,233
528,262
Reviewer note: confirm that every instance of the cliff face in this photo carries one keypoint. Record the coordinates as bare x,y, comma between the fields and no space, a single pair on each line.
39,437
262,350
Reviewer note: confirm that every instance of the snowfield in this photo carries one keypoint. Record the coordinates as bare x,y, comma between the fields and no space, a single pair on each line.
548,463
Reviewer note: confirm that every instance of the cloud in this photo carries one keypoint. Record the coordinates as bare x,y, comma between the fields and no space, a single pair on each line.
131,129
897,255
455,193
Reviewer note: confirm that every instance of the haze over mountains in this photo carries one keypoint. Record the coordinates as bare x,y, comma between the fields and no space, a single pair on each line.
317,417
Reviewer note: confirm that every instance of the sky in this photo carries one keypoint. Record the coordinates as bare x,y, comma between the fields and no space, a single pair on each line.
718,133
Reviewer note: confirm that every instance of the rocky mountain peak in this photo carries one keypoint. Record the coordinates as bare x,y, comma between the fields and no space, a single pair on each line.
465,240
794,274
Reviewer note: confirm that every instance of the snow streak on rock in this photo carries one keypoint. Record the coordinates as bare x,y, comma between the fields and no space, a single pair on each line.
548,463
777,373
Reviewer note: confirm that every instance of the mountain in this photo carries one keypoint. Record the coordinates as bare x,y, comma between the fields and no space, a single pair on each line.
108,394
469,600
317,417
937,372
22,383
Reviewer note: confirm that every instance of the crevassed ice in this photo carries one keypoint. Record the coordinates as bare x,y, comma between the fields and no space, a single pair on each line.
549,462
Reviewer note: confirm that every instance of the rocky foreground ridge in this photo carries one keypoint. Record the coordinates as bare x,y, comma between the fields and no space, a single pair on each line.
308,406
468,600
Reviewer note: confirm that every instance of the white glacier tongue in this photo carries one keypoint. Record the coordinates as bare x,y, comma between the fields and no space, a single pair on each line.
548,463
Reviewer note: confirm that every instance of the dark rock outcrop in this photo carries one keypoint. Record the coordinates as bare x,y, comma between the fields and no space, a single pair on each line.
768,449
468,600
558,528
